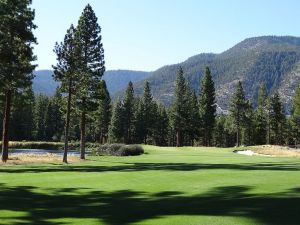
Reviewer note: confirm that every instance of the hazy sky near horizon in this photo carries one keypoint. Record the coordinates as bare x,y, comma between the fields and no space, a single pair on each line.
147,34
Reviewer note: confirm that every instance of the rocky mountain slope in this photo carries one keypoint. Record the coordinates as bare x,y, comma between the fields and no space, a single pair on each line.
272,60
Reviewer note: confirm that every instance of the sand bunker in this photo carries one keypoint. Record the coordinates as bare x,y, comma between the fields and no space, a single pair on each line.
271,151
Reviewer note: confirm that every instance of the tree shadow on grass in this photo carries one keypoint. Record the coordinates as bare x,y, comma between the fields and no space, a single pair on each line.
127,207
133,167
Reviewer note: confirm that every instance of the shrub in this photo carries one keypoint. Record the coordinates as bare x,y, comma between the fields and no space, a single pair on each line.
118,150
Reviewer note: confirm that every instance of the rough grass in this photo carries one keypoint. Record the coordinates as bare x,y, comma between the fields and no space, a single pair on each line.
275,150
165,186
37,158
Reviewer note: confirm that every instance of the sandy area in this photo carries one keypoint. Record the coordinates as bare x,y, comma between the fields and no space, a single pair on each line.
271,150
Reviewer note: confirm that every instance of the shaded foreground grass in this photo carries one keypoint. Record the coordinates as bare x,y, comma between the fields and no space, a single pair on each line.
165,186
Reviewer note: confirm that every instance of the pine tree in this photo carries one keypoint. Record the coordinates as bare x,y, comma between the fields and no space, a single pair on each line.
54,119
57,119
261,117
237,110
91,66
277,120
16,55
261,123
219,131
193,120
21,126
179,113
66,71
148,112
161,127
224,134
40,113
248,127
116,128
139,123
128,113
103,114
207,106
295,119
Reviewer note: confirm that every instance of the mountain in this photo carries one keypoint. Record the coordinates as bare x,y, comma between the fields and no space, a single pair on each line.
272,60
116,80
43,82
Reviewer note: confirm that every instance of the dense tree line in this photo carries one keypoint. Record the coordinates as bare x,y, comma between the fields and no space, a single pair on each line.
190,120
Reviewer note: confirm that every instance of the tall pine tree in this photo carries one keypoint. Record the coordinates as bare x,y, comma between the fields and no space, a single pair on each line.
103,114
148,113
91,66
238,108
16,55
193,120
248,127
277,120
161,127
261,117
139,125
179,113
40,113
66,71
207,104
54,119
128,113
116,128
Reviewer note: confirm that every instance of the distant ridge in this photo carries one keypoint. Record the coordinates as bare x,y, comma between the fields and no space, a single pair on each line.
116,80
273,60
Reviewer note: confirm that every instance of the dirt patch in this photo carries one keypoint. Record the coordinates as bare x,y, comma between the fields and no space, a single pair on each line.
37,158
275,150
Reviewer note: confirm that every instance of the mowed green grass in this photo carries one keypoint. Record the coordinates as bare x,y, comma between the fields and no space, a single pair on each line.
171,186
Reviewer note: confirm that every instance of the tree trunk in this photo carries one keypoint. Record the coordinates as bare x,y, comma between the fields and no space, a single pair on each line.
269,131
65,157
238,134
101,140
82,134
129,135
178,138
6,118
208,138
269,135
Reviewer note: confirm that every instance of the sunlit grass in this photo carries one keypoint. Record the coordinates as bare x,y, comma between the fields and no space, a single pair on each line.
164,186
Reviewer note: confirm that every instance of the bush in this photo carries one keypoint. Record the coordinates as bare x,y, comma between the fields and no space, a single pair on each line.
118,150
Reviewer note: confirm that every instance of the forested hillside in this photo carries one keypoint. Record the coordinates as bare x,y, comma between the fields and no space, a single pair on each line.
271,60
274,61
118,79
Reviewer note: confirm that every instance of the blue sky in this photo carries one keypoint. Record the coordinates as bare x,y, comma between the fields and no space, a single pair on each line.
147,34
